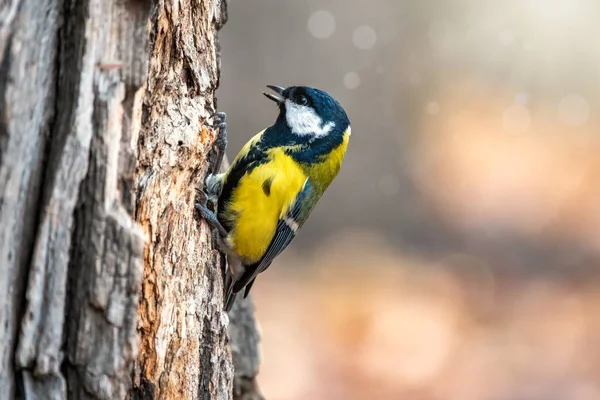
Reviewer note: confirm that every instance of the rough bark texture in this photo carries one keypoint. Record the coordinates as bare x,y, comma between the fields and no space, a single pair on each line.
184,351
69,74
77,108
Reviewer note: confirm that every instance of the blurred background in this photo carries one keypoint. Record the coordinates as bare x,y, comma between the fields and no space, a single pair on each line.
456,254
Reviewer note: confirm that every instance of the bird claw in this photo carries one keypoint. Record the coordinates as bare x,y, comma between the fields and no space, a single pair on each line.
221,139
210,218
218,117
205,213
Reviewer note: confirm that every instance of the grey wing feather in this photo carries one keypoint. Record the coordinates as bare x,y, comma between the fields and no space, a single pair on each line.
283,236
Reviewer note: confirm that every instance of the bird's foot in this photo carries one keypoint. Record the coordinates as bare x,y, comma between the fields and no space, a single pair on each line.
210,216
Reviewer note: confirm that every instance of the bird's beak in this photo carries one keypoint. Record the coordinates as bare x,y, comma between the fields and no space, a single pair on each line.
277,89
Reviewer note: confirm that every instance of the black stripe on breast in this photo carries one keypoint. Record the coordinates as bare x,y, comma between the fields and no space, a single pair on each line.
266,186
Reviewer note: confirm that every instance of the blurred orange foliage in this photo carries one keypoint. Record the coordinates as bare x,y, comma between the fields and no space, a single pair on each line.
545,182
367,322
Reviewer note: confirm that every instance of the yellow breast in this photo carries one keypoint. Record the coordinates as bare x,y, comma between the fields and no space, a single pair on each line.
261,198
324,172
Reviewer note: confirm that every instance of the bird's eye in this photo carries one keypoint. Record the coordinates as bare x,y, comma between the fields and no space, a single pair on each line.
301,100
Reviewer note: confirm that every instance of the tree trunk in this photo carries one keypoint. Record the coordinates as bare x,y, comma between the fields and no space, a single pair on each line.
101,149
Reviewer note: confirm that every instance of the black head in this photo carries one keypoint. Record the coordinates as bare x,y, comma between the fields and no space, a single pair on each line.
308,111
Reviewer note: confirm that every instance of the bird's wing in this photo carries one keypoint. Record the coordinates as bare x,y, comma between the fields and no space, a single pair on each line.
285,231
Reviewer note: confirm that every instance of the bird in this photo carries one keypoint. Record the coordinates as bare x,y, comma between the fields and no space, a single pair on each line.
273,184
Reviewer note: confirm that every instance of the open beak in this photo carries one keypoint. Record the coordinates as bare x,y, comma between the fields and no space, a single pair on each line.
277,98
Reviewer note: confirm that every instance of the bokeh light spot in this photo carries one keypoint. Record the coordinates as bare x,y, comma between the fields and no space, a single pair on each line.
364,37
522,98
573,110
352,80
516,119
321,24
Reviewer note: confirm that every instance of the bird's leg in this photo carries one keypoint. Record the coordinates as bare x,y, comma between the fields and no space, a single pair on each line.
210,216
220,144
213,186
214,181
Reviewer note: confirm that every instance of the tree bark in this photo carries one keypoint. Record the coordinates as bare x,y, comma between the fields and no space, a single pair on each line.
102,146
183,352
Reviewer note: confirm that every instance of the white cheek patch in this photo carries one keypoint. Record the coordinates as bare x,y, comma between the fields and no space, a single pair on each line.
304,121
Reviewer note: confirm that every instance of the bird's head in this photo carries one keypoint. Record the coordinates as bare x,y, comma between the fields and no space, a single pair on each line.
308,112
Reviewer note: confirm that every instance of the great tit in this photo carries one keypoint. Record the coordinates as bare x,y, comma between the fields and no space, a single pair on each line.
273,184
